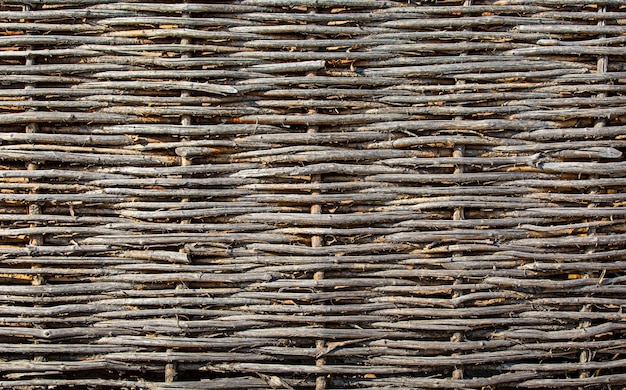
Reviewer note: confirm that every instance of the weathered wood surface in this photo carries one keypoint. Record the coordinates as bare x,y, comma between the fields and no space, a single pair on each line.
312,194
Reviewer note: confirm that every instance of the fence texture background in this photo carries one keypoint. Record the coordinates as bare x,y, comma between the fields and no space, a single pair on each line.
312,194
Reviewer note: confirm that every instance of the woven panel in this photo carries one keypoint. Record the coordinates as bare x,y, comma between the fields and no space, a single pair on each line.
312,194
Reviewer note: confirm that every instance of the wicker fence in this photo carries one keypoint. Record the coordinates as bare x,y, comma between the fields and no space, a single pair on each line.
312,194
